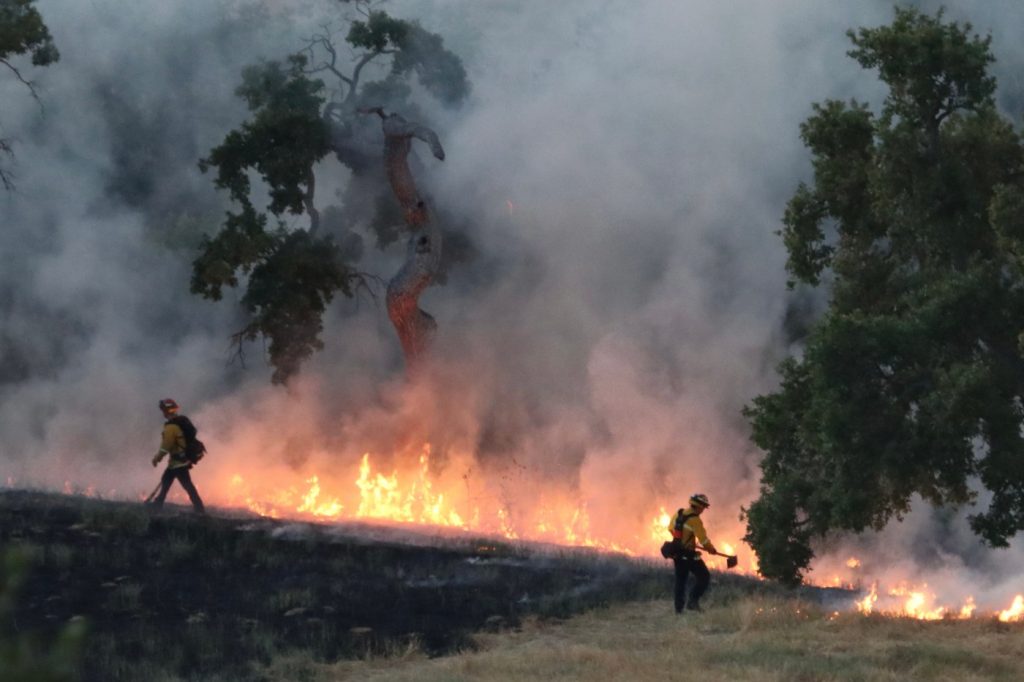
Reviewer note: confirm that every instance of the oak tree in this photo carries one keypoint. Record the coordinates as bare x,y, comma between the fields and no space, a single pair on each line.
317,104
912,382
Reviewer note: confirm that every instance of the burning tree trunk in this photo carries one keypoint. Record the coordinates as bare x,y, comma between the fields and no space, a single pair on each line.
415,327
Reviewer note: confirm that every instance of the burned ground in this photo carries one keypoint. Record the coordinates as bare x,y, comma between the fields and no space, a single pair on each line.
177,596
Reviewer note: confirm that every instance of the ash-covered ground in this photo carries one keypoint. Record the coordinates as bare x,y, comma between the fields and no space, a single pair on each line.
171,595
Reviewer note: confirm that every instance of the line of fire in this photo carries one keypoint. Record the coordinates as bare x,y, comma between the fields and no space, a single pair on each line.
415,498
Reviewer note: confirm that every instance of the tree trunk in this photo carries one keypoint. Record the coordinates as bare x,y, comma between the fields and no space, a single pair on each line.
423,251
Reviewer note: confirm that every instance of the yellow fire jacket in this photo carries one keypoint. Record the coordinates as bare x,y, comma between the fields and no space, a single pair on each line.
172,442
690,530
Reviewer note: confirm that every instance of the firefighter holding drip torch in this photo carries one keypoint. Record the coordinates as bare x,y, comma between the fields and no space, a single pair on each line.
687,529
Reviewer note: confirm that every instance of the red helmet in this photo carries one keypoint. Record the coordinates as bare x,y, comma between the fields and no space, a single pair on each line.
168,405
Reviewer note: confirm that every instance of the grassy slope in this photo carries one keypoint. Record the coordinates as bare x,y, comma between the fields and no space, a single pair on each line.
749,638
170,597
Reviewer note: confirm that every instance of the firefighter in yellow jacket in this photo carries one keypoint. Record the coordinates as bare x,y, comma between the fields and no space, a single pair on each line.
172,445
687,529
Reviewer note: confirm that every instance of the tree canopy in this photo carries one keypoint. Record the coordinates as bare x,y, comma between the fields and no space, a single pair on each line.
302,109
912,382
22,32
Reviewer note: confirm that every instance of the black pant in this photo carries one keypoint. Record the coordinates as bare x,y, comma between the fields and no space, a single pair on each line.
685,565
180,473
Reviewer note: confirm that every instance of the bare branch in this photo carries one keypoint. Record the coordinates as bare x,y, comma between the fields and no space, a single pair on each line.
363,280
332,66
6,177
27,83
364,8
249,333
363,61
325,41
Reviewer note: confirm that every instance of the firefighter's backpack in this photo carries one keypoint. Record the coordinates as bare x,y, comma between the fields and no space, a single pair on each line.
195,450
673,549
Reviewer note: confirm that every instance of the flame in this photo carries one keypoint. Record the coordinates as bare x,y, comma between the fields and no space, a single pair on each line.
659,525
381,497
448,496
311,505
418,496
911,601
908,601
867,604
70,488
1015,612
506,527
919,604
902,599
967,610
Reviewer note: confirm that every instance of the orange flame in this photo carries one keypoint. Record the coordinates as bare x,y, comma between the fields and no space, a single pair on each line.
912,602
919,604
1015,612
415,497
867,604
311,505
417,494
967,610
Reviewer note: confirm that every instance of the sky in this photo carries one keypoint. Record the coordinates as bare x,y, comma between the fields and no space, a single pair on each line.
622,168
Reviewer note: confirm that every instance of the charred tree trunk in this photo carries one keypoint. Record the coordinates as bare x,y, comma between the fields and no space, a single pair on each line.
415,327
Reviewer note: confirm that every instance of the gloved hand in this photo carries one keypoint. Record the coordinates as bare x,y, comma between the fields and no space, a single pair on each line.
710,549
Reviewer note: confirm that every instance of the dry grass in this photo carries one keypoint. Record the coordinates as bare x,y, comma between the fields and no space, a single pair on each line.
752,639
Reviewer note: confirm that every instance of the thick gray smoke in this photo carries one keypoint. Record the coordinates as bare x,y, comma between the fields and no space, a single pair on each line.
623,167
